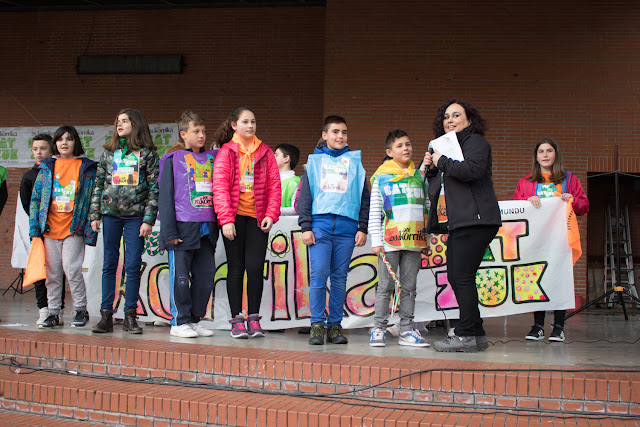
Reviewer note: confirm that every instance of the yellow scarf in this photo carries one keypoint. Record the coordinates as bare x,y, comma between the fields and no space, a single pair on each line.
392,168
246,154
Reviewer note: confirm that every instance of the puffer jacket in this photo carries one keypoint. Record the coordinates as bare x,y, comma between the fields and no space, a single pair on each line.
127,200
226,184
41,201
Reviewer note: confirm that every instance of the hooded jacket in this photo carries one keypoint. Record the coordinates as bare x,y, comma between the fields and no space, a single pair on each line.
41,200
26,186
337,224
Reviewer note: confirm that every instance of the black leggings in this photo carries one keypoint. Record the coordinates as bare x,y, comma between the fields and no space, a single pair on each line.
246,251
465,249
558,317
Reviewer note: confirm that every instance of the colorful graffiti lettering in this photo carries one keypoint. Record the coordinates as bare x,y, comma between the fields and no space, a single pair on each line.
492,286
361,297
509,236
526,283
445,297
436,252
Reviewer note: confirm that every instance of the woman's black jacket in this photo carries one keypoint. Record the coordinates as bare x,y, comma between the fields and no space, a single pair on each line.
468,187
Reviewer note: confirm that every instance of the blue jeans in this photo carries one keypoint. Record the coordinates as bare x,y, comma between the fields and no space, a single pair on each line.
113,229
329,257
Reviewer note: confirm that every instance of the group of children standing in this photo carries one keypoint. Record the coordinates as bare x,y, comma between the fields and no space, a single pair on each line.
235,184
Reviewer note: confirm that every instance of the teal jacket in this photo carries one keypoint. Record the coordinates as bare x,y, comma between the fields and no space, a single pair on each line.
41,200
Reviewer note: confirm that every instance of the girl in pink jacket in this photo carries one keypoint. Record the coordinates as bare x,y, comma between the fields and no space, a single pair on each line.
246,198
549,178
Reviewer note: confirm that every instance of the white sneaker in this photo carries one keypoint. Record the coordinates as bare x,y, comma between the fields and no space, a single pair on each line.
394,330
413,339
44,313
377,337
161,323
201,330
183,331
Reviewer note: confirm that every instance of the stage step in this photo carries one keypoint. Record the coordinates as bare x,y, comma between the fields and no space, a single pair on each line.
448,387
12,418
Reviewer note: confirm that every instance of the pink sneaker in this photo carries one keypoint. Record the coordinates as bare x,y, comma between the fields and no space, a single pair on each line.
238,329
253,326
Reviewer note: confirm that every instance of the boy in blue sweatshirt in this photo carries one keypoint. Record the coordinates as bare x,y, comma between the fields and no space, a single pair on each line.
333,209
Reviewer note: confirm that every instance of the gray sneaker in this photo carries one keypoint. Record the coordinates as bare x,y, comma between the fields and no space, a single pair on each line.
481,342
456,343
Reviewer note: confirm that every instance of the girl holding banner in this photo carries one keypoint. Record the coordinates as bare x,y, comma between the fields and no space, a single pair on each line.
549,178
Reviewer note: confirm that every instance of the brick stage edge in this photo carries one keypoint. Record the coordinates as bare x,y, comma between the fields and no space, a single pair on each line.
261,387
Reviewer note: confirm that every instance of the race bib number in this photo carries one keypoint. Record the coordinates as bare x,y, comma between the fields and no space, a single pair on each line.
546,190
126,168
200,182
63,196
334,176
246,183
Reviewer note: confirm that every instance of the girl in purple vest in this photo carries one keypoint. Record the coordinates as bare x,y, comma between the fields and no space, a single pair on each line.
125,203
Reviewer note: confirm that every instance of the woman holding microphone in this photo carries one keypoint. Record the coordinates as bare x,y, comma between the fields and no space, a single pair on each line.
464,206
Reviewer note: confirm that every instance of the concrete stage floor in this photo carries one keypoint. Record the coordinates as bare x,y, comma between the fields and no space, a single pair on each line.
595,337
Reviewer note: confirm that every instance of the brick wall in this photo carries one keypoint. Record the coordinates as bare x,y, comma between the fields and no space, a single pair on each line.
268,58
567,70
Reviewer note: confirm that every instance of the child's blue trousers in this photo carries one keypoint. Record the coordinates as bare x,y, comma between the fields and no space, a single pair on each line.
329,257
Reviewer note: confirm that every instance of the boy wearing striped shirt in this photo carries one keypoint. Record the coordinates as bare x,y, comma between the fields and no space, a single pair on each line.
397,219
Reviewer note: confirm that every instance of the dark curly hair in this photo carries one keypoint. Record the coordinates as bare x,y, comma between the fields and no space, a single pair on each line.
478,124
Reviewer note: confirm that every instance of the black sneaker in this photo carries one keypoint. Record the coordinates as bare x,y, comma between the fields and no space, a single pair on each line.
50,322
335,334
80,319
316,335
557,334
536,333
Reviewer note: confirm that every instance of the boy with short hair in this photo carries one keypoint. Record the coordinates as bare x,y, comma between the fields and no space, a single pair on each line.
287,156
188,228
333,208
41,148
397,219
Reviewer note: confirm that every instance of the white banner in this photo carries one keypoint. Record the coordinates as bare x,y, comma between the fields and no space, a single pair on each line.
527,267
15,143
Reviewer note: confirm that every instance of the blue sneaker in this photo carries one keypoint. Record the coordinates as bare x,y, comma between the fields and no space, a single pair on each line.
413,339
377,337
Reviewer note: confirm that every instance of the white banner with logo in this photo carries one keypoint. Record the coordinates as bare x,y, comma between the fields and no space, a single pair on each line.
527,267
15,143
